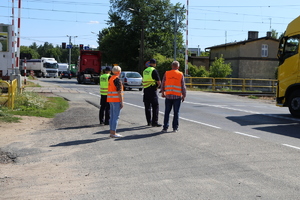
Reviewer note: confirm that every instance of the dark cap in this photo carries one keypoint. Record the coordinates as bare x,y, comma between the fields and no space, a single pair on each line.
152,61
107,69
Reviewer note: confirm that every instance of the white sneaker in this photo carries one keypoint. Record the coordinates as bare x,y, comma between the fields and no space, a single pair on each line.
116,136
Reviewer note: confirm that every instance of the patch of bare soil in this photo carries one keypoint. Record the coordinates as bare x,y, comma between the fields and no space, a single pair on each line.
10,132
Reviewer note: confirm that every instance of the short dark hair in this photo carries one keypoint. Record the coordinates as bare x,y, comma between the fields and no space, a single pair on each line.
152,61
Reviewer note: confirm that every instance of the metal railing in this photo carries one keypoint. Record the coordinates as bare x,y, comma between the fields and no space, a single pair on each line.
236,84
8,93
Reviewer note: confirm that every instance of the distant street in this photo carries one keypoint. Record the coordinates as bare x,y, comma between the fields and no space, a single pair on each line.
228,147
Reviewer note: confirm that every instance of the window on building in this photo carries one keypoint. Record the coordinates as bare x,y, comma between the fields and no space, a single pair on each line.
264,50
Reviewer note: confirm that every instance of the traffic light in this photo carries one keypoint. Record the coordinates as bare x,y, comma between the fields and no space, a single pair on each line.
63,45
81,46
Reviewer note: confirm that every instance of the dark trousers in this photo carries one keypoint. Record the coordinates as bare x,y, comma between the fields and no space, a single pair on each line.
104,109
151,107
169,104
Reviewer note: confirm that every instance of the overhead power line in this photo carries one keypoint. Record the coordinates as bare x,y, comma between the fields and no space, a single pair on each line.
84,3
243,14
234,6
233,21
64,11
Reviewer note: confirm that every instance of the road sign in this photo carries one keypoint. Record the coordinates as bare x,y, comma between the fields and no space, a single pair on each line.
86,48
147,64
69,46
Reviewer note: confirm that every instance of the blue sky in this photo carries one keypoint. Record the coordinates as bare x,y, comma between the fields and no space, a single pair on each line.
210,22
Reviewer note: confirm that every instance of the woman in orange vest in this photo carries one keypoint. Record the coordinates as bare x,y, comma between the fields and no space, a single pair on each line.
115,99
174,90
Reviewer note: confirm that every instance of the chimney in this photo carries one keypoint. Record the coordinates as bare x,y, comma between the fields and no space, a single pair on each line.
252,35
269,34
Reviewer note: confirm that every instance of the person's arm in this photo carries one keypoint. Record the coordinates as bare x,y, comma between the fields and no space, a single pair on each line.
162,88
155,76
119,86
183,89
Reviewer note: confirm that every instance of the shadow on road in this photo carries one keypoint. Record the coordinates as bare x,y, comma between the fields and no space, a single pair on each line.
79,142
121,130
79,127
276,124
141,136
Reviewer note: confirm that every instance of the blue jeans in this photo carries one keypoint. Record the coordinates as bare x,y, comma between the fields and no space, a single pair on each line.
169,104
115,110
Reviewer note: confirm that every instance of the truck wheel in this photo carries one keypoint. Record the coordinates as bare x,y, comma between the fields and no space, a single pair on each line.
294,104
140,89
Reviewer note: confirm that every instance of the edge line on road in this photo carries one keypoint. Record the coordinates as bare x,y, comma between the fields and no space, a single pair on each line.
294,147
246,135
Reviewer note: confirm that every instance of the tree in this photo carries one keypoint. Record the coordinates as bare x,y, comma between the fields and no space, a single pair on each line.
219,69
128,19
274,34
34,53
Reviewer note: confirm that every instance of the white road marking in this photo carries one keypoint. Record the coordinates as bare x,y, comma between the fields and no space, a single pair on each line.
246,135
287,145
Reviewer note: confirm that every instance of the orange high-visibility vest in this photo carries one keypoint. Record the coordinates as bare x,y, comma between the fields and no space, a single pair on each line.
112,94
173,82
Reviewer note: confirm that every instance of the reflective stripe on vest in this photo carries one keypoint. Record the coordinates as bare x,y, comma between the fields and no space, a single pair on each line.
173,83
147,77
113,94
104,84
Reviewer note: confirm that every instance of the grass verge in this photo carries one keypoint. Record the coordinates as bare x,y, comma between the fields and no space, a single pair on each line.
33,104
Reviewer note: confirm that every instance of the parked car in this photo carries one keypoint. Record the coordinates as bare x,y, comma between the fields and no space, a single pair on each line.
65,74
131,80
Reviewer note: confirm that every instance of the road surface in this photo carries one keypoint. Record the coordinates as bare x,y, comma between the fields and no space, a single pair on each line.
228,147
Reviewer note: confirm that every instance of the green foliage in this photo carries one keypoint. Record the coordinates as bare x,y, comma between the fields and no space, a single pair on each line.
219,69
127,19
33,52
48,50
205,53
274,34
252,97
34,104
7,117
30,101
195,71
164,64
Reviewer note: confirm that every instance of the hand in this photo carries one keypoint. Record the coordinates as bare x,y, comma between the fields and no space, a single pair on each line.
163,95
121,105
182,99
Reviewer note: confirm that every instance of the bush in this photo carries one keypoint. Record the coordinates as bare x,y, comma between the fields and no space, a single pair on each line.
164,64
30,101
219,69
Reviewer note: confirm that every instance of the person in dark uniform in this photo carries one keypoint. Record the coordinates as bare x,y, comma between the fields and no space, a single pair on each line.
104,105
151,81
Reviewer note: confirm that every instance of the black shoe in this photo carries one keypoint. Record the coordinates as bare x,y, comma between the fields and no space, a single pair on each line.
156,125
101,123
149,124
164,130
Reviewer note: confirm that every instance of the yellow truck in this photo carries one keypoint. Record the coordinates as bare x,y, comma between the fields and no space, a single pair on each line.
288,87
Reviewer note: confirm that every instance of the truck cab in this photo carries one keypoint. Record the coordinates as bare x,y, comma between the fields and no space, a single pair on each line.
51,66
288,87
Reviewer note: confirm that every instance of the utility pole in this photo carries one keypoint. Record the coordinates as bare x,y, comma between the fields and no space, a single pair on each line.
141,52
70,47
141,60
175,35
70,52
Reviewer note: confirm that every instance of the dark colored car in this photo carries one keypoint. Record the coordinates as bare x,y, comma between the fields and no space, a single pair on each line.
65,74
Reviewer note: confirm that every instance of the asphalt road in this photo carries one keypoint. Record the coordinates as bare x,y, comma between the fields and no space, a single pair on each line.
228,147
